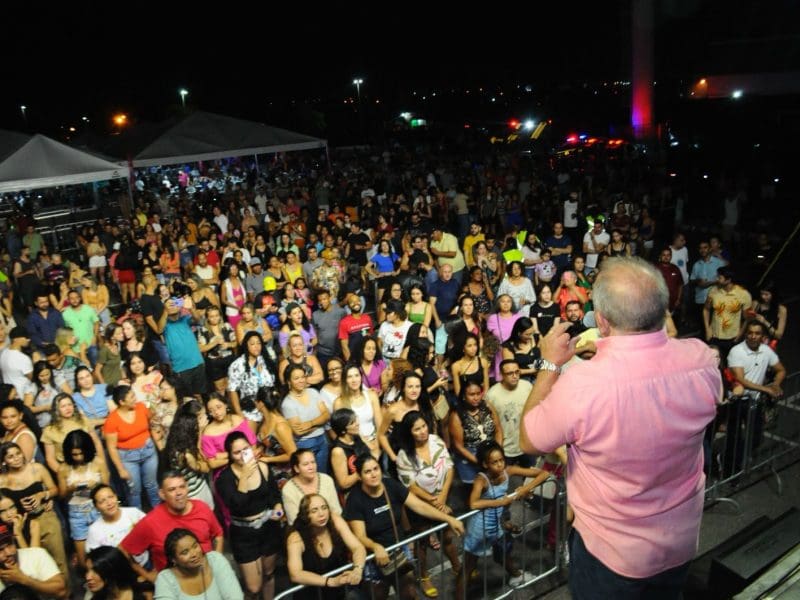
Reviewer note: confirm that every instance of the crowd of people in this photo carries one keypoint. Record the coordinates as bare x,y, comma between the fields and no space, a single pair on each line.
298,371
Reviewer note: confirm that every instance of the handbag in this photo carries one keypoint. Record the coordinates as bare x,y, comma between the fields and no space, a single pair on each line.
440,407
398,560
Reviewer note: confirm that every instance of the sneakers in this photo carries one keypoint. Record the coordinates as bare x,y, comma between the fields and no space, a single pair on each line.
520,579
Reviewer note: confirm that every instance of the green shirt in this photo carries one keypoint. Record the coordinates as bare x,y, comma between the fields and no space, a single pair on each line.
81,320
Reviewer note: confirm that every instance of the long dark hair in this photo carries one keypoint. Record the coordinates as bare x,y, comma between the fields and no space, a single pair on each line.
183,435
340,419
115,570
358,353
290,324
302,524
418,352
78,440
172,539
405,439
520,325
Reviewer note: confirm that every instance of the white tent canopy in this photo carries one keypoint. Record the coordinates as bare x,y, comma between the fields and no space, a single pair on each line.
32,162
208,136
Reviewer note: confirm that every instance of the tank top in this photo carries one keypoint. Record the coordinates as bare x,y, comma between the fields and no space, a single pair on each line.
476,377
18,495
488,521
621,252
416,317
236,295
770,314
478,429
320,565
366,418
82,495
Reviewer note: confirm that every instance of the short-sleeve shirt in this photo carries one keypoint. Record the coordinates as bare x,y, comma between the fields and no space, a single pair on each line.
429,476
36,563
393,338
449,243
374,512
726,310
150,532
82,321
754,362
446,294
102,533
292,408
129,435
182,345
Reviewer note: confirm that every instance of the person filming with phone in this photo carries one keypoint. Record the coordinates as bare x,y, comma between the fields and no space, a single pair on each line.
252,497
184,354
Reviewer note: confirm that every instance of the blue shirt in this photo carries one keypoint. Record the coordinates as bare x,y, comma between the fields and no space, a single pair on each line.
43,329
562,260
704,270
446,294
385,264
94,407
181,344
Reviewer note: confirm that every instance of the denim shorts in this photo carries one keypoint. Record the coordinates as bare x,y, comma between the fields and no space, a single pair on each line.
80,517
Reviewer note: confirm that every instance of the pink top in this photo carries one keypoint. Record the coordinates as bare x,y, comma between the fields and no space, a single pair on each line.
635,416
212,444
501,327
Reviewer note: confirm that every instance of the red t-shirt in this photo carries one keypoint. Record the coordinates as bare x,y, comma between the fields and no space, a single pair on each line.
152,530
351,326
674,280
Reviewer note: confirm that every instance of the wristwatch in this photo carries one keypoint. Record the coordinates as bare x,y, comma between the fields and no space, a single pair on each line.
545,365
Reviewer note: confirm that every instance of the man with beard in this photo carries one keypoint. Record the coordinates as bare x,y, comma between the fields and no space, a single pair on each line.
31,567
176,510
353,327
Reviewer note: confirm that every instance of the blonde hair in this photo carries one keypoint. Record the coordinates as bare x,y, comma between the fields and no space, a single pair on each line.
292,334
63,334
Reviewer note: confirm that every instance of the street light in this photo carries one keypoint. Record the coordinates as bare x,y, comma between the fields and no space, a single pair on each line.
357,83
23,108
183,92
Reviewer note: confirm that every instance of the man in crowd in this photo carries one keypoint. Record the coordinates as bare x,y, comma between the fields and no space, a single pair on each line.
444,247
176,510
723,311
560,246
443,293
312,262
672,277
353,327
508,397
357,245
84,322
594,243
43,321
152,310
15,365
326,321
31,567
475,236
254,281
184,354
637,514
704,276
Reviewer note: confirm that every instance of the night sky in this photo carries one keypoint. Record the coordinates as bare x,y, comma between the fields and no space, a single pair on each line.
94,59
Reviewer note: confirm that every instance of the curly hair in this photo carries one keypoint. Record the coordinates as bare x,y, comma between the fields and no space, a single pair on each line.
302,524
184,435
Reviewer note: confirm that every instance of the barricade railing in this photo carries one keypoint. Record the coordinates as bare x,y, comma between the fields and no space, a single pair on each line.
750,436
538,551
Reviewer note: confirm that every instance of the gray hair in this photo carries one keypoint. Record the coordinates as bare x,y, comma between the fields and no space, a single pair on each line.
631,294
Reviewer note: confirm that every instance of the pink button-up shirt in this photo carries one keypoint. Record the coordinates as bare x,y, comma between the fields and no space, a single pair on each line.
634,416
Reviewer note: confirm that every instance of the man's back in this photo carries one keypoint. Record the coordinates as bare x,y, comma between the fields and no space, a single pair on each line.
635,417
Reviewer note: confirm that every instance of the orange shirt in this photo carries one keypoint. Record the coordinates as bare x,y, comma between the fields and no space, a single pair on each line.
130,436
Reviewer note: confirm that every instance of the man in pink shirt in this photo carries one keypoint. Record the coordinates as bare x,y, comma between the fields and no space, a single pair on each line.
634,417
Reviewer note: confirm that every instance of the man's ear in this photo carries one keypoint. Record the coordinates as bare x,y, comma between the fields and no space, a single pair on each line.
602,324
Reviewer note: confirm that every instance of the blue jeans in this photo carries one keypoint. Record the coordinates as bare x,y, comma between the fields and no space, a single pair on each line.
161,348
142,464
319,446
590,579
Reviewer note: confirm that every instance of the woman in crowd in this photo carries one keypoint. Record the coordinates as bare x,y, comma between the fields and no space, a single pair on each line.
521,347
254,502
217,342
65,341
418,308
425,467
144,383
296,320
233,295
81,471
182,450
91,398
473,423
192,573
97,297
41,393
33,490
246,375
130,446
109,575
27,532
96,253
393,292
203,297
136,341
333,386
275,436
409,399
517,285
472,321
435,384
307,480
222,422
65,417
373,512
250,321
545,313
108,369
531,254
569,291
306,414
500,323
162,411
170,261
770,312
347,446
383,266
469,366
618,246
372,366
296,354
321,542
364,403
479,289
15,429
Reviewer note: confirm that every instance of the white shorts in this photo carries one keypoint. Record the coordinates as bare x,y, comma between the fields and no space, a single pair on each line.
97,261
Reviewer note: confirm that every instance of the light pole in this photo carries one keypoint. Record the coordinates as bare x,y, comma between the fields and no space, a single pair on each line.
357,83
183,92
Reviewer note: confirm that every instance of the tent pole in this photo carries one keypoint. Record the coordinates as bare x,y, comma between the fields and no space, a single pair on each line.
328,156
257,171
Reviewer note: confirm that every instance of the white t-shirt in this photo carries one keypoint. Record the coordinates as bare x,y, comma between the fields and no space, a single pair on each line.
680,258
754,363
36,563
103,533
570,214
601,238
393,338
14,366
509,405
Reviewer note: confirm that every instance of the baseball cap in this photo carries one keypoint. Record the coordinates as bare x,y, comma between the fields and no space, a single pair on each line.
255,261
6,536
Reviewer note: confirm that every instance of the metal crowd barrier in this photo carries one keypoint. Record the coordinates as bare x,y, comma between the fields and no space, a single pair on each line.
752,436
532,552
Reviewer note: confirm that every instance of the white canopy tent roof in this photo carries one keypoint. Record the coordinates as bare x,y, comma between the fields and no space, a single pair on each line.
32,162
208,136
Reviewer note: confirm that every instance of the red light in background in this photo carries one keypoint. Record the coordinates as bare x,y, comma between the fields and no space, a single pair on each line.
467,125
514,124
572,139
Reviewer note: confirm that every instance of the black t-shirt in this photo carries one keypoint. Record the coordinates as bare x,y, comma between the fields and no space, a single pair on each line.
545,317
358,256
151,307
375,512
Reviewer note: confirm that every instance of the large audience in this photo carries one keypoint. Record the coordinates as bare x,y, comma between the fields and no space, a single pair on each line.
301,366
